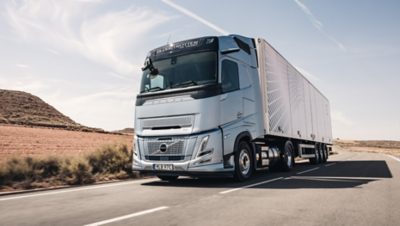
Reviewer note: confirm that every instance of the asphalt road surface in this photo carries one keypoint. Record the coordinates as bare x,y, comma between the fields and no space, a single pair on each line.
351,189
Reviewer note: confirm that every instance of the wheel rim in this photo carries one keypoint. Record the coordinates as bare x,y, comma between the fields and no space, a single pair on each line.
244,162
288,157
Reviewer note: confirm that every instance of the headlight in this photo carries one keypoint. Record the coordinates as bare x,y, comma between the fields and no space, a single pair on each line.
203,147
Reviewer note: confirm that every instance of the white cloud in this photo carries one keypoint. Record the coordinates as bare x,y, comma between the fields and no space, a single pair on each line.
111,37
52,51
24,83
318,24
196,17
339,117
73,26
101,95
22,65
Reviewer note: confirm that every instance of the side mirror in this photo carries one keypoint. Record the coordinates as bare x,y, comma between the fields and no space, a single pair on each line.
154,71
148,64
230,50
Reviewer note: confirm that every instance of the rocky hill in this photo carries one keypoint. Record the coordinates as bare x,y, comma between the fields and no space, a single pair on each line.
21,108
126,131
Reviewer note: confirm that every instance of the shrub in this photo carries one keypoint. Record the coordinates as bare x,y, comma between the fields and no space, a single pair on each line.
79,172
110,159
18,169
108,162
48,167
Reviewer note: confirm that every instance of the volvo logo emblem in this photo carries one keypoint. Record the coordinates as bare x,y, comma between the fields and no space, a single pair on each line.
163,147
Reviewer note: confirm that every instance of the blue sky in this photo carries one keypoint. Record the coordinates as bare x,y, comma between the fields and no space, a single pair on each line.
84,56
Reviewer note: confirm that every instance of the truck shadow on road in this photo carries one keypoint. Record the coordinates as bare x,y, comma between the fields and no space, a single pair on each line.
334,174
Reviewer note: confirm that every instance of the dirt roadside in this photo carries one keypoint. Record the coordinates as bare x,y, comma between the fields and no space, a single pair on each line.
30,141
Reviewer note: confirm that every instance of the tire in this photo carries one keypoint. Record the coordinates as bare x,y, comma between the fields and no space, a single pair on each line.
287,156
320,153
324,153
244,162
167,178
317,155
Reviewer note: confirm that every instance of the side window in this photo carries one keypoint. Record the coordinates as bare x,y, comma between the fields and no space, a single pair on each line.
229,76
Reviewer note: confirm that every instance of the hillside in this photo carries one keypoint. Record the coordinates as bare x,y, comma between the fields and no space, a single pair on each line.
378,146
126,131
21,108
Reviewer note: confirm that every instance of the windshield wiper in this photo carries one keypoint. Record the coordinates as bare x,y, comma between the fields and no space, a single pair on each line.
186,83
155,88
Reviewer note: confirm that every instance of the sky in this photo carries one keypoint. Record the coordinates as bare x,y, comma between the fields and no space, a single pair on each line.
84,56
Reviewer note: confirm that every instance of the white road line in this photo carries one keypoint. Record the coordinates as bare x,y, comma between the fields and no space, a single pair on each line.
330,164
306,171
66,190
337,178
251,185
144,212
395,158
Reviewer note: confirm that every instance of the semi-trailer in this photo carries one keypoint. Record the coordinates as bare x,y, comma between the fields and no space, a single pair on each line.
226,105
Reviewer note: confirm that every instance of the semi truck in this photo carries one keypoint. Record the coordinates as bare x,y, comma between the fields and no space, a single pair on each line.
226,106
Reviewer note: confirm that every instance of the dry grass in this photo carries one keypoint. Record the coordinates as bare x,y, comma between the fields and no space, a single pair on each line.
107,163
18,141
376,146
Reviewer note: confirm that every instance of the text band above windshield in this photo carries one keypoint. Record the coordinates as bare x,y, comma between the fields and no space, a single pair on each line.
184,47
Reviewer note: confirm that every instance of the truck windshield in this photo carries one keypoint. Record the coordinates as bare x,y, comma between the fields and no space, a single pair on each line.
181,71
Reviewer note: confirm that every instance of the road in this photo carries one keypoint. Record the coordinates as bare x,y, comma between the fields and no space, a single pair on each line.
351,189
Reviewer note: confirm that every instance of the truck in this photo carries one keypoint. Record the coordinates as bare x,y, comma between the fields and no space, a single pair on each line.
226,106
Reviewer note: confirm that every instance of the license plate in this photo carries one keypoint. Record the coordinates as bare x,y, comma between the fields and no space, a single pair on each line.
167,167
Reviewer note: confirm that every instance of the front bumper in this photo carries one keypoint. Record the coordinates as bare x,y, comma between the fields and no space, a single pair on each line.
212,170
196,162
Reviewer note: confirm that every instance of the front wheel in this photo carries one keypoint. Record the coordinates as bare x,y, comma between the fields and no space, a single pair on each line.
244,163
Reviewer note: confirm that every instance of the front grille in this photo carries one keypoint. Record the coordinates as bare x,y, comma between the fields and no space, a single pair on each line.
165,157
165,149
173,147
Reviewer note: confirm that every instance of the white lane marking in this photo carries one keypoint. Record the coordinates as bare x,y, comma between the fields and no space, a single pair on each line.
144,212
66,190
306,171
330,164
251,185
337,178
395,158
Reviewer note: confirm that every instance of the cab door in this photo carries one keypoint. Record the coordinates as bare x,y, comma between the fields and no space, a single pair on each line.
231,104
231,97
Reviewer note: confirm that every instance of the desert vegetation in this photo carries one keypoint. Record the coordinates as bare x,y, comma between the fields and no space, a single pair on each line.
109,162
377,146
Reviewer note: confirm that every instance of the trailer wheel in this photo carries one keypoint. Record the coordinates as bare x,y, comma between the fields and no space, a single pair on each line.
316,159
244,163
167,178
287,157
327,152
324,153
321,150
